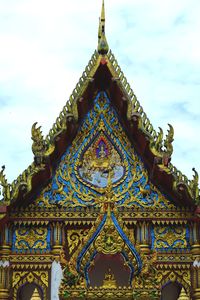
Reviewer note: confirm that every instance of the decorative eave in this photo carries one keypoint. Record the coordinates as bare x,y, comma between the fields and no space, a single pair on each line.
152,144
101,73
47,151
33,214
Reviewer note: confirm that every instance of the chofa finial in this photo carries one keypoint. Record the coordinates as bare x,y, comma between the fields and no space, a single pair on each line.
102,42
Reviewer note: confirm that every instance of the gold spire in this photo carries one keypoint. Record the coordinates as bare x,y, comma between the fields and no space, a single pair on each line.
35,295
102,42
183,295
103,11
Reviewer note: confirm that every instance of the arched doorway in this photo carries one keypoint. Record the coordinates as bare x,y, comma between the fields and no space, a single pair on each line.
171,291
25,292
103,263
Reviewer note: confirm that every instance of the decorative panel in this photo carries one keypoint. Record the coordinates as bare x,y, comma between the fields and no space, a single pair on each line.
33,238
170,237
101,149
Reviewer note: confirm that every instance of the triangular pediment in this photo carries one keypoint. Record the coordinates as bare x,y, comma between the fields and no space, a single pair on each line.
101,151
102,73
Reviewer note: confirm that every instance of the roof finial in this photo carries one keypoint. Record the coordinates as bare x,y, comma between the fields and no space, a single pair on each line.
102,42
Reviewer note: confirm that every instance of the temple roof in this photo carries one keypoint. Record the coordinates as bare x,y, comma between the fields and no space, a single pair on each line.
102,73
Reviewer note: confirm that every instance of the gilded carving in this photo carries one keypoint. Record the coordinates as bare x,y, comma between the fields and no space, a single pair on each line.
101,183
180,274
31,238
75,238
194,185
17,277
43,275
170,237
20,278
38,146
148,276
109,241
5,188
82,175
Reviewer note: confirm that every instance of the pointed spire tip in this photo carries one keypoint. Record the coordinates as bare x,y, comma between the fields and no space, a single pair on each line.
102,42
103,11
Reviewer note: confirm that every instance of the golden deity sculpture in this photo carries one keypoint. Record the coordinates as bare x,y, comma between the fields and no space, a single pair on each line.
109,282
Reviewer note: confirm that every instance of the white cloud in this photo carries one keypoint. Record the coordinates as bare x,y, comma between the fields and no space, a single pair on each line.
45,46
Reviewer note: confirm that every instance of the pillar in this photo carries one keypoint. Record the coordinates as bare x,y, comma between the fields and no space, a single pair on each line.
57,239
143,237
5,250
195,249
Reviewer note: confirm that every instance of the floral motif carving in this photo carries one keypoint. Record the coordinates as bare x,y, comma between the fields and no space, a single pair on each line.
31,238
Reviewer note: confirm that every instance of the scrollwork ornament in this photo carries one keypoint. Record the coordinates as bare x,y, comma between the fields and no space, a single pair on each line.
31,238
148,277
168,141
170,237
180,275
43,275
75,238
5,187
17,276
194,187
39,146
20,278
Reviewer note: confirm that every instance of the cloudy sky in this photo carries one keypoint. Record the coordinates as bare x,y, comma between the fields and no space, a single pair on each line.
46,44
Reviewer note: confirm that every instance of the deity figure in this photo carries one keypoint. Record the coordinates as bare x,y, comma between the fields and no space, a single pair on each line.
109,281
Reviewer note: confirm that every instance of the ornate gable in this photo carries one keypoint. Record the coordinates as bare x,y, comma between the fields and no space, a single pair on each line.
101,146
103,74
101,197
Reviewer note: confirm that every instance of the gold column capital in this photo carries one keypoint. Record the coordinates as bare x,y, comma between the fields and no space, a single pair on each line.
195,249
196,294
4,294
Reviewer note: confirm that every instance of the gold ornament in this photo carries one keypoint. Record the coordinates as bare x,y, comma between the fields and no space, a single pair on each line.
183,295
31,238
39,278
39,146
75,238
170,237
5,187
109,281
36,295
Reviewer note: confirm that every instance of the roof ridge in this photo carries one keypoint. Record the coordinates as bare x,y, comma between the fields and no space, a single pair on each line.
70,108
133,103
134,109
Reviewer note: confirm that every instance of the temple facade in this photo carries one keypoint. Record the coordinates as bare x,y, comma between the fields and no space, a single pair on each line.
101,213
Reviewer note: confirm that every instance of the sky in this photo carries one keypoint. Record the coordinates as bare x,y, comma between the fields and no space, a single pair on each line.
46,44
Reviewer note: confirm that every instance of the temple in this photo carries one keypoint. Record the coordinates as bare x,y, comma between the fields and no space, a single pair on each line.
101,213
